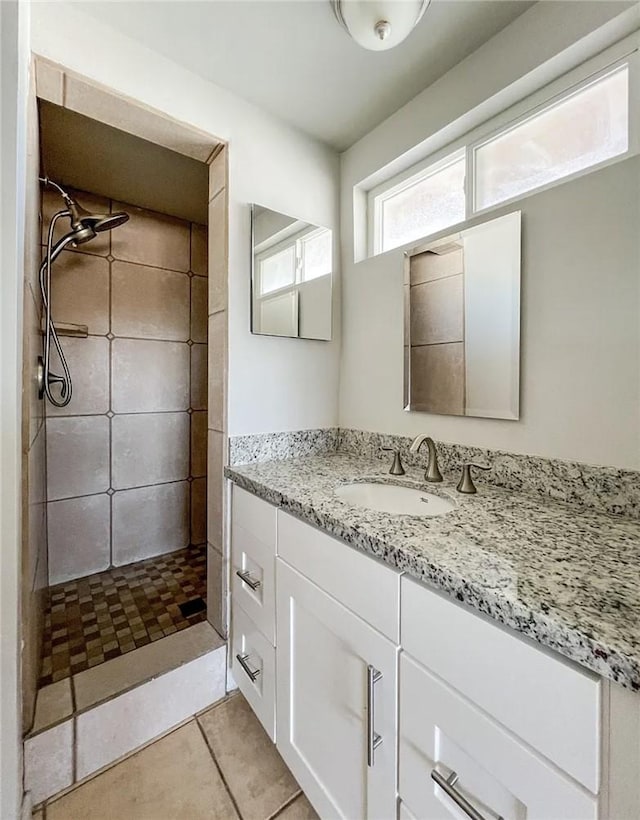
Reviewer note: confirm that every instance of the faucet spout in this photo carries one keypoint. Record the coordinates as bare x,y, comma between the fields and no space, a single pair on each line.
432,473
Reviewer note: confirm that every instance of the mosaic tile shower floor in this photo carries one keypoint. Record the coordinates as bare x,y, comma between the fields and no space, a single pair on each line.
91,620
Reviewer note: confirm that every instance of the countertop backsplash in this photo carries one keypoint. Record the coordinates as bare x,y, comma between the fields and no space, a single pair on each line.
605,489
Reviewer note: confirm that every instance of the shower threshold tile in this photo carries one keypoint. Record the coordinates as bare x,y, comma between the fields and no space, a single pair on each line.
102,682
100,617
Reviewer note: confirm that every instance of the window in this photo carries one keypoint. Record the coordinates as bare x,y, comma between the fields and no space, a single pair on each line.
583,129
571,127
424,204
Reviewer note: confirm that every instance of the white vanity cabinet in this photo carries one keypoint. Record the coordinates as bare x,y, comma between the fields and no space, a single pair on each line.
389,701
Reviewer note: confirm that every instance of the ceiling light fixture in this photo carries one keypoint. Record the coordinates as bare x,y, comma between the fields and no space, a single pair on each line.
379,25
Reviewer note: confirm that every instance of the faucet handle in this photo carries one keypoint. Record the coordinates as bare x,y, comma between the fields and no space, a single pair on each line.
396,467
466,485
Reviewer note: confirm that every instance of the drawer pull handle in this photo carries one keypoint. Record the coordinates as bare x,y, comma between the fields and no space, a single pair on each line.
373,738
447,784
245,576
252,673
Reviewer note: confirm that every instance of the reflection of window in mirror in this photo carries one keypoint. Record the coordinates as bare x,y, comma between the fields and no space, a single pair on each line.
292,273
462,322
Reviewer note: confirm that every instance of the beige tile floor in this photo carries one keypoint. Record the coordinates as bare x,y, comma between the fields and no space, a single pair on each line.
218,766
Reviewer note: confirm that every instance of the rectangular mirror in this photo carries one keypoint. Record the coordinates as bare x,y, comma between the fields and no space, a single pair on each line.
462,322
291,277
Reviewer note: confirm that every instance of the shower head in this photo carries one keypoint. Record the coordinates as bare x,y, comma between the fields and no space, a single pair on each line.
82,219
84,224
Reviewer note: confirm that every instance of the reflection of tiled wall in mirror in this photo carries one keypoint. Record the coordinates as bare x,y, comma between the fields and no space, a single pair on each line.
435,344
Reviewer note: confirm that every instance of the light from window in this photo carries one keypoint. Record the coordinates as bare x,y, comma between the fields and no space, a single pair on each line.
278,270
582,130
316,255
428,204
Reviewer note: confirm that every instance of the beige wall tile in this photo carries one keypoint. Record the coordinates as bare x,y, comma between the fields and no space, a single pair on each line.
32,626
49,82
149,448
124,723
248,760
80,291
199,511
32,405
149,376
199,240
218,253
199,311
215,489
107,679
53,705
48,762
199,443
216,592
217,370
199,387
426,267
88,361
79,537
52,203
437,312
155,126
77,456
173,778
437,378
150,521
149,303
150,238
218,173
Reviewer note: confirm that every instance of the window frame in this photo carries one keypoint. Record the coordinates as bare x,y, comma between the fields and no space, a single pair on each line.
549,105
625,52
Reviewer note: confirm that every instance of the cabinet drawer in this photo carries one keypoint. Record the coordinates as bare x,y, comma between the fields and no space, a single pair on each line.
499,776
548,702
253,579
256,673
364,585
255,516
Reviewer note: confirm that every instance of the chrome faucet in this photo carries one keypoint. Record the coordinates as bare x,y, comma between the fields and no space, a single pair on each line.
432,473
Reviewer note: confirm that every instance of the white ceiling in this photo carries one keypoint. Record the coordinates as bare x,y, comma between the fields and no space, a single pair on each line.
293,59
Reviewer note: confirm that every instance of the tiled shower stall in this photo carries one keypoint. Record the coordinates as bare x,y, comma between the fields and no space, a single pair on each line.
126,459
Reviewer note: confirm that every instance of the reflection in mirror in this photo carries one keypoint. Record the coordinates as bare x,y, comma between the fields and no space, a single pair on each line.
462,322
291,276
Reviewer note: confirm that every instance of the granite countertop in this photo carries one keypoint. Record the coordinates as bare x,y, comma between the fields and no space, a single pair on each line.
566,577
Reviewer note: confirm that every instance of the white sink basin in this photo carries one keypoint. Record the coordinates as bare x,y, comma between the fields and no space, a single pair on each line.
394,499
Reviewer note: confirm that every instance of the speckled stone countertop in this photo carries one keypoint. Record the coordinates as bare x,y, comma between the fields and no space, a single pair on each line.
566,577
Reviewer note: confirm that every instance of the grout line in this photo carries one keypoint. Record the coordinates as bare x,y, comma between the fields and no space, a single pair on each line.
285,805
120,413
220,772
74,748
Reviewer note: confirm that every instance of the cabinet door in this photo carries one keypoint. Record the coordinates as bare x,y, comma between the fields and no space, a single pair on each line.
498,776
328,705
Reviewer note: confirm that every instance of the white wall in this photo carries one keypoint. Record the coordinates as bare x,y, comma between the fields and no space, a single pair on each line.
580,365
274,384
14,33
